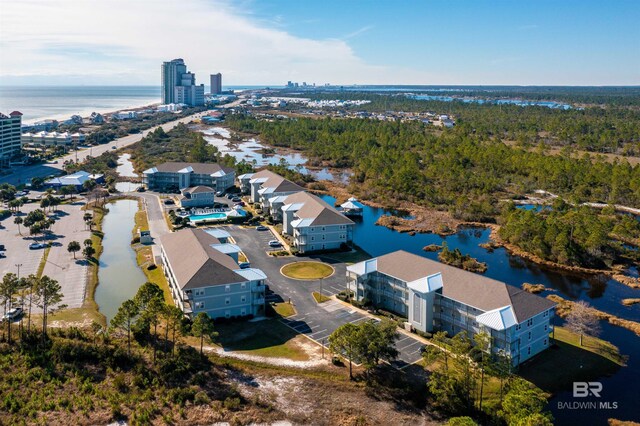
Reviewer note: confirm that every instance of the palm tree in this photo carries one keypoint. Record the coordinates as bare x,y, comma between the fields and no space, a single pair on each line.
18,221
73,247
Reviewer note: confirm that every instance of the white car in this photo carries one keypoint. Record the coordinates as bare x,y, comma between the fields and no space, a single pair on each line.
34,246
13,313
274,243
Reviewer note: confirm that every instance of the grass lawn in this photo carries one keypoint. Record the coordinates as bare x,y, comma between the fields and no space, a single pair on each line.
565,362
43,262
268,338
307,270
144,256
284,309
320,298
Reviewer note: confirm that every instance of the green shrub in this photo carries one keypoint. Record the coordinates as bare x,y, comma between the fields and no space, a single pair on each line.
202,398
232,404
135,240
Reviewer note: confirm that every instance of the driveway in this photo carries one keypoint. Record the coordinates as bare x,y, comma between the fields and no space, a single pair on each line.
317,321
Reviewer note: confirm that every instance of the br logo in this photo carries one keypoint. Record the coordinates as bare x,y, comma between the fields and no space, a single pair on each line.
584,389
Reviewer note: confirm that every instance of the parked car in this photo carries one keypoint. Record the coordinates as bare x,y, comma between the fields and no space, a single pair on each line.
169,202
2,250
140,189
219,193
275,243
244,265
113,147
34,246
261,228
230,196
240,203
13,313
236,199
21,193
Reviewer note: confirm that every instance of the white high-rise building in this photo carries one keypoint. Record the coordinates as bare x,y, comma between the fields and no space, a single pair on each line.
10,144
179,85
216,84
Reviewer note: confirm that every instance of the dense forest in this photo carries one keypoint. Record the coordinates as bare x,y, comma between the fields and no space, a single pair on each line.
597,129
459,171
569,235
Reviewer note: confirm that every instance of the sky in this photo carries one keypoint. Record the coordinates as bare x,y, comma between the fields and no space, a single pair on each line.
268,42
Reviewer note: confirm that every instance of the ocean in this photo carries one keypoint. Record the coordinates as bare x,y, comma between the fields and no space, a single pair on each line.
61,102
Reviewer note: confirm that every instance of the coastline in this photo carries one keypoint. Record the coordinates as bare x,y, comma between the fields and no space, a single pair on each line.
85,114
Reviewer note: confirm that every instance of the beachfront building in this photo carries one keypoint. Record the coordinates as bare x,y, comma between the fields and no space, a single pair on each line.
177,176
216,84
76,180
179,85
243,181
124,115
313,224
433,296
204,276
10,145
270,189
197,196
48,139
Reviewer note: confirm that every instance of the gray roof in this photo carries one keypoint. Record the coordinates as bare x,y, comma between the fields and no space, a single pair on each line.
316,209
195,263
198,168
469,288
277,182
198,189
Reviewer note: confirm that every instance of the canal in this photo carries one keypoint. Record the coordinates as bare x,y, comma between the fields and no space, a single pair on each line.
601,292
119,276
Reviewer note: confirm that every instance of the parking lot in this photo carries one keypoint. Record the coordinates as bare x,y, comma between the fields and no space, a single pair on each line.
316,321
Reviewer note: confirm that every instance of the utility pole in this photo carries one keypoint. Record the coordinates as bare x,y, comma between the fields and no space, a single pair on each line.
18,265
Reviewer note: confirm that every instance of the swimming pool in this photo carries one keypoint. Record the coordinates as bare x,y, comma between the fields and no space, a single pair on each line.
206,217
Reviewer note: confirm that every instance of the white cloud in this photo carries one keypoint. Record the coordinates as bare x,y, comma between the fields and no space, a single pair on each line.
125,41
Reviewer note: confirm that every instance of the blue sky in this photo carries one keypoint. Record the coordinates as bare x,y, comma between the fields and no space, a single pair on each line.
340,42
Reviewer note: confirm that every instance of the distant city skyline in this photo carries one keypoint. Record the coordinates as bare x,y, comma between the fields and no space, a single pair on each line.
60,42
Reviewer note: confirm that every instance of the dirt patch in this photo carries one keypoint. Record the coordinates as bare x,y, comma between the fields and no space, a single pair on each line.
534,288
313,351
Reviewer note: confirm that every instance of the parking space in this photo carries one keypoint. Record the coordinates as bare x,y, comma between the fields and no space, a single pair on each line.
316,321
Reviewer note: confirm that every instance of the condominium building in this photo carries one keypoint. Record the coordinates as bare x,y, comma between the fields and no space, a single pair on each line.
313,224
216,84
179,85
10,145
204,276
433,296
52,139
175,176
269,189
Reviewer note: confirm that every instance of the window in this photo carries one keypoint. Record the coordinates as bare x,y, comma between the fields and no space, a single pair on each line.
529,335
243,312
517,327
227,300
313,238
243,286
199,291
529,350
546,314
545,328
243,298
417,311
529,322
199,305
227,314
545,342
227,288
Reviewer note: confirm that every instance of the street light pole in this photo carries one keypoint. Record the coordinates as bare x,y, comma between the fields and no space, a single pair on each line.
18,265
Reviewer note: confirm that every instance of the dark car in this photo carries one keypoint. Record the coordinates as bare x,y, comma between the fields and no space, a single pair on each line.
141,189
261,228
169,202
236,200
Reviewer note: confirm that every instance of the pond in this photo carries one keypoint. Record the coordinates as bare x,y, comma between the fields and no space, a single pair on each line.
601,292
251,151
519,102
125,166
119,275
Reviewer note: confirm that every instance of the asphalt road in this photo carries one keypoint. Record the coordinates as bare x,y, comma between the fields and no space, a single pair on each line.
317,321
23,174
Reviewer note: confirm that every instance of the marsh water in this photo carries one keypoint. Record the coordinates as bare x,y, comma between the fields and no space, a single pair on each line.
119,276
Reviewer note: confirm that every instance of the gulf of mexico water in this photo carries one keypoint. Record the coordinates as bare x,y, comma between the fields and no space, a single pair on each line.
61,102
